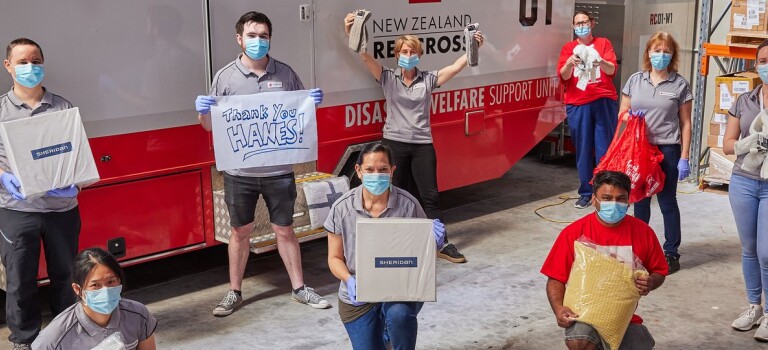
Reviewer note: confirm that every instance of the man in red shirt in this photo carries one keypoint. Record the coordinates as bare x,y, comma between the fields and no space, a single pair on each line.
608,226
591,107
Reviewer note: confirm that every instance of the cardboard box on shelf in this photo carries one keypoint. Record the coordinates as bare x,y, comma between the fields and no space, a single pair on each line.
720,166
748,16
730,86
717,129
395,260
715,141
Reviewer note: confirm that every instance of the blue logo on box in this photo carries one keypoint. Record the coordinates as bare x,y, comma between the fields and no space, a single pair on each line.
51,150
395,262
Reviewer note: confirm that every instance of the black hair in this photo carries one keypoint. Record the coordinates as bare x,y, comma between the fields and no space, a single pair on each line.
762,45
22,41
374,147
87,260
613,178
253,16
583,12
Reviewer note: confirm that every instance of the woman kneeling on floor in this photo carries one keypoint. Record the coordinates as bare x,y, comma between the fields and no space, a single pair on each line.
371,325
100,312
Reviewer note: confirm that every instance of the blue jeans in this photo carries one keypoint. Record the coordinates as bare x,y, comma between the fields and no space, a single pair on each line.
592,126
667,201
749,203
394,321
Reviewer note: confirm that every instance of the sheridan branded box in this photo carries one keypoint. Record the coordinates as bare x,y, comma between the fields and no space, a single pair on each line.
730,86
395,260
49,151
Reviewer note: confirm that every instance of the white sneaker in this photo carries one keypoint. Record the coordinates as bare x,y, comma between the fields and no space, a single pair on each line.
749,318
762,331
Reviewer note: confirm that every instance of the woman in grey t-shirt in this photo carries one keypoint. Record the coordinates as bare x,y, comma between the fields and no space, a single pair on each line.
100,311
748,193
407,130
666,97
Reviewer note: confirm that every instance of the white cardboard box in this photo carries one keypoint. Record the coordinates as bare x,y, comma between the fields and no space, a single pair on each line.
49,151
395,260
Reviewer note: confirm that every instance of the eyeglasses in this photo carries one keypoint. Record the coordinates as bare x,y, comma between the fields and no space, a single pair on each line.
582,23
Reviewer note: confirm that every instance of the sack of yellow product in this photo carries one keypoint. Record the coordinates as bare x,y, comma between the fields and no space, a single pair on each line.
601,290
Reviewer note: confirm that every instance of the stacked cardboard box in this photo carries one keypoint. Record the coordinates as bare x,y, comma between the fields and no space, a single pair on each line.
717,130
749,16
720,166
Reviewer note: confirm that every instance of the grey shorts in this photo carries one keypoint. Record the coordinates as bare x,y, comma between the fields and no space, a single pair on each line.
637,336
241,193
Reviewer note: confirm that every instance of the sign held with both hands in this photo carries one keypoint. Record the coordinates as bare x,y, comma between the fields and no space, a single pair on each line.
265,129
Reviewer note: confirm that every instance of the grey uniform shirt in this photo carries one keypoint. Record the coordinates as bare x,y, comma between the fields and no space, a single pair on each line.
73,329
747,108
13,108
236,79
342,220
661,104
408,106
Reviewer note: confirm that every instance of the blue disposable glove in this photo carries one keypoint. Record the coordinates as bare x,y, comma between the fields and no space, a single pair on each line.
438,231
352,290
317,95
11,184
65,192
203,104
683,169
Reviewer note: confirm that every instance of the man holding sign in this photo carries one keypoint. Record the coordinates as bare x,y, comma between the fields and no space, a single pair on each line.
254,72
53,218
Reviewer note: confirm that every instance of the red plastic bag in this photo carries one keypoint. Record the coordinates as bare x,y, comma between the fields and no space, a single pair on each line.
631,153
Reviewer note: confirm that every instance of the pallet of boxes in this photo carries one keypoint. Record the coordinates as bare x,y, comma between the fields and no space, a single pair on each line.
748,23
728,88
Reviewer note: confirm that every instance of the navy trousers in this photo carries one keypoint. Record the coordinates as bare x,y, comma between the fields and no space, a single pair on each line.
592,127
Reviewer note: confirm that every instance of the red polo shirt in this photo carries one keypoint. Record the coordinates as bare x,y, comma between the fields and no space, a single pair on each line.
600,88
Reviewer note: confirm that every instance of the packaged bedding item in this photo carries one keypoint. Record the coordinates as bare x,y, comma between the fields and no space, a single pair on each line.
601,288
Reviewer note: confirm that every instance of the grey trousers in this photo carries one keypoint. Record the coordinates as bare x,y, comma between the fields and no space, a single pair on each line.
20,236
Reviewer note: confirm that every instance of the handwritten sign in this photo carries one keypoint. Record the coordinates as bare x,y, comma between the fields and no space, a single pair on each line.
270,128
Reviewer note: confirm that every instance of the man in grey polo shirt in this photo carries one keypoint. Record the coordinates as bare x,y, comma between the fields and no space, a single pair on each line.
53,218
254,71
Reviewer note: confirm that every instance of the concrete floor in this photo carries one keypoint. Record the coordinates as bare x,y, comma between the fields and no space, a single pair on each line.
495,301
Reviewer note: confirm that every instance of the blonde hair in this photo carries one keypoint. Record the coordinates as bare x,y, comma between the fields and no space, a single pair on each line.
410,40
666,39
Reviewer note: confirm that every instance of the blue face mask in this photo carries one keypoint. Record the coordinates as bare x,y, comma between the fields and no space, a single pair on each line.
612,212
408,62
660,60
103,300
376,183
256,48
29,75
582,31
762,70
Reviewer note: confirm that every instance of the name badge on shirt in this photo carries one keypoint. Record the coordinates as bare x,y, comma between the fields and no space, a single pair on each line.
668,94
274,84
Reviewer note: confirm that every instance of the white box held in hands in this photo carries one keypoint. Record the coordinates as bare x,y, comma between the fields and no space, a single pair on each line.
395,260
49,151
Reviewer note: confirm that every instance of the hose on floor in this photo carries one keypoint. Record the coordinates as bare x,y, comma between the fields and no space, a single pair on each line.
565,198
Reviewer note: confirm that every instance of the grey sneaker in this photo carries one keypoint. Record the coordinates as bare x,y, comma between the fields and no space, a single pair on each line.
749,318
17,346
308,296
762,330
228,304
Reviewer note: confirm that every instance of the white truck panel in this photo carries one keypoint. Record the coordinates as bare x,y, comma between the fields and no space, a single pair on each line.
129,65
